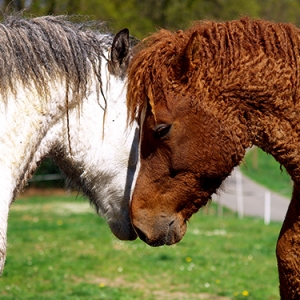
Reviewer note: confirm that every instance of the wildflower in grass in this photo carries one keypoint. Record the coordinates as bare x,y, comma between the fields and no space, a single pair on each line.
218,281
101,285
191,266
245,293
188,259
59,222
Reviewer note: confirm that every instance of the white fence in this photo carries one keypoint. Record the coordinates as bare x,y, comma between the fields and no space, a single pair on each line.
244,196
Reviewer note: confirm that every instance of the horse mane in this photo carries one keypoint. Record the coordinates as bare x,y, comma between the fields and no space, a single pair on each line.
50,47
220,48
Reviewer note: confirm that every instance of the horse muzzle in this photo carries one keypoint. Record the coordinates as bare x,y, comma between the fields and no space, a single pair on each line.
162,230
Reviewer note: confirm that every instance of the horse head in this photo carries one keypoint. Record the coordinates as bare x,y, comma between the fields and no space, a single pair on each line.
102,151
186,151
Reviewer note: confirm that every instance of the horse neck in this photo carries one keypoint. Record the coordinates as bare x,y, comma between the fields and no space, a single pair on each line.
268,118
32,124
277,134
256,90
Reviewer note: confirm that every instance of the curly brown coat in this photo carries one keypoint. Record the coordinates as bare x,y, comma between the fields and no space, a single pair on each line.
243,75
250,66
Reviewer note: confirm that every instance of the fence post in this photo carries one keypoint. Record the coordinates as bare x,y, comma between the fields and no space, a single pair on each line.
239,194
267,216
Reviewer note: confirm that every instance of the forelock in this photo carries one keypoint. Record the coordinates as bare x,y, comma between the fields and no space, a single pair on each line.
150,65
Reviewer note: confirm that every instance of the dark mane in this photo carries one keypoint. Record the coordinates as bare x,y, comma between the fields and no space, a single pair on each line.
33,51
221,48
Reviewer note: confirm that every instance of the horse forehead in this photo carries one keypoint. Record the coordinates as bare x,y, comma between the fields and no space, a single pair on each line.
168,106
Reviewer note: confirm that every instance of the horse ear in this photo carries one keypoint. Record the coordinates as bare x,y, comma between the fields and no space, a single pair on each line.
120,53
192,48
190,57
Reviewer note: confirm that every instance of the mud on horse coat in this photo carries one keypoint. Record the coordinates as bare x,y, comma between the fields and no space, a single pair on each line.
62,95
203,96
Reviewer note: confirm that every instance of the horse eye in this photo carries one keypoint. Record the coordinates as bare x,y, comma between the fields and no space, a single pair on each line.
161,130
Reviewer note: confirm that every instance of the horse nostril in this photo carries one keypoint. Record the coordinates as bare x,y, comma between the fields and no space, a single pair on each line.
171,223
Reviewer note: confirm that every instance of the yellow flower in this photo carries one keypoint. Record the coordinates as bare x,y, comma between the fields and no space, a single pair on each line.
101,285
59,222
188,259
245,293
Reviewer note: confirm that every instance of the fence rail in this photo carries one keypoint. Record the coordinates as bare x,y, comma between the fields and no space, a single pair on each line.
46,177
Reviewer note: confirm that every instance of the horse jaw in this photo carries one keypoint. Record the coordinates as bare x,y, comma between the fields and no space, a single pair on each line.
112,198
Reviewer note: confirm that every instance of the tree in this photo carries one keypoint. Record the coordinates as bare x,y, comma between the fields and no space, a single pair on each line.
144,17
282,11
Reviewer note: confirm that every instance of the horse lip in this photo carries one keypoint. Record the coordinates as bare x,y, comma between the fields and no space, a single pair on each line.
156,243
133,236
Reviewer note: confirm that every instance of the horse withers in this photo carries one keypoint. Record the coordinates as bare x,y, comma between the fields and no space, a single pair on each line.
202,97
62,95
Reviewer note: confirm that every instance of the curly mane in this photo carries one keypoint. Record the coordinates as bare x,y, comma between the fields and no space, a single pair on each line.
221,54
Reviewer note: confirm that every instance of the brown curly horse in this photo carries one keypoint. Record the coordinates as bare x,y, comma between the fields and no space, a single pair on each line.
202,97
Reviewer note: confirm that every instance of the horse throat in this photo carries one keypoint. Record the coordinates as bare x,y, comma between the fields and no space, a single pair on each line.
276,136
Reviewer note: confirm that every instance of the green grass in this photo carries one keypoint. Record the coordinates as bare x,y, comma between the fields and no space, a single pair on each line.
264,169
59,249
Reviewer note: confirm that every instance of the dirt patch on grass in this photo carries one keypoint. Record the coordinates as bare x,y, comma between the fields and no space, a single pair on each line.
29,192
155,290
60,207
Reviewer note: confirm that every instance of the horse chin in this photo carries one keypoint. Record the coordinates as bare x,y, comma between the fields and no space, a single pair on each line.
124,233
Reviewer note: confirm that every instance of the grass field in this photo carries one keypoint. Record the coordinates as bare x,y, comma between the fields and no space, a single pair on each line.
58,248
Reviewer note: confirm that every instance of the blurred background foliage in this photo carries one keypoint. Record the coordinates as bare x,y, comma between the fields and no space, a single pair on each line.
143,17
